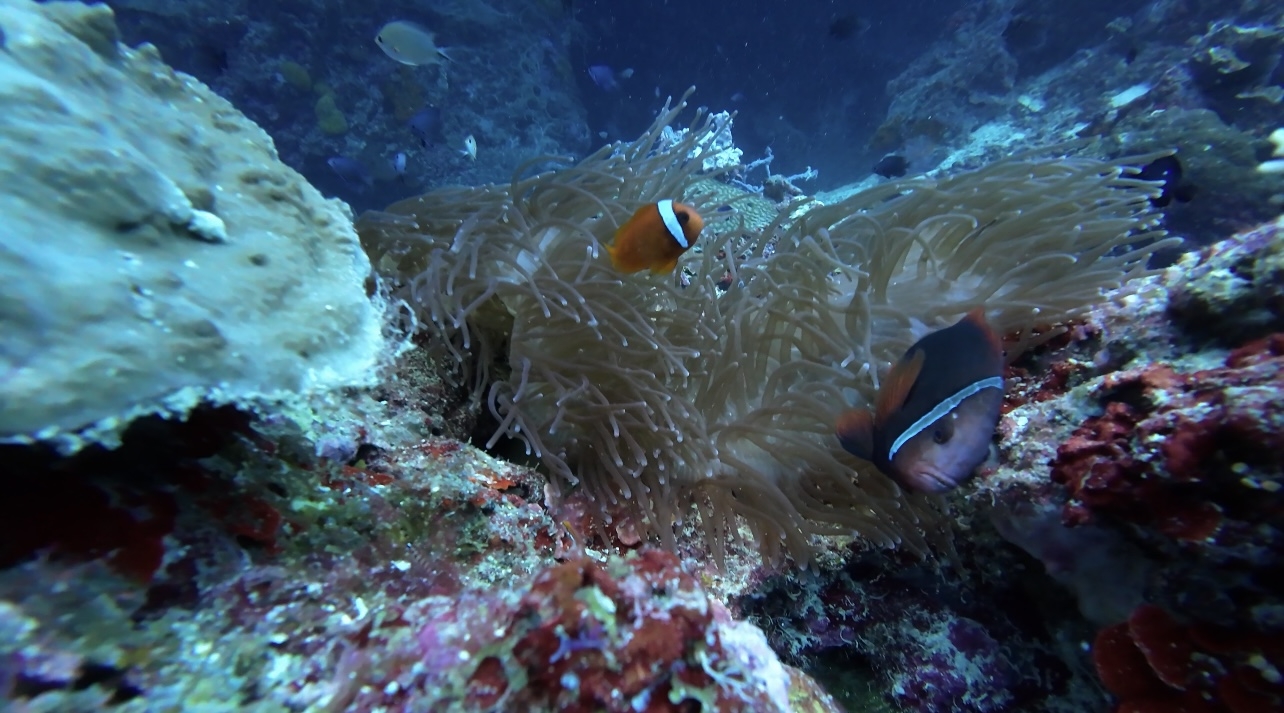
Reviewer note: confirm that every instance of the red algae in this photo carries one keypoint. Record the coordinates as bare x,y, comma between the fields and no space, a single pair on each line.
1155,663
1168,448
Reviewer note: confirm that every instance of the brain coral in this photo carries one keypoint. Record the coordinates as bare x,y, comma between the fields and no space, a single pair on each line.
156,252
658,395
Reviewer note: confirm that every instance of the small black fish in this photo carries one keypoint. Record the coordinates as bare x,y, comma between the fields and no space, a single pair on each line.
425,124
1168,170
845,27
891,166
936,411
1131,55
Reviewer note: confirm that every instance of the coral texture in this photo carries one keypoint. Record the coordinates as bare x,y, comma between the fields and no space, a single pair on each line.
633,634
359,555
1154,663
418,579
927,648
1141,468
312,76
652,392
157,253
1170,450
1235,288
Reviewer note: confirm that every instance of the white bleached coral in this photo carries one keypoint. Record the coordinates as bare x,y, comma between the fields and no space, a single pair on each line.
156,252
1275,165
717,151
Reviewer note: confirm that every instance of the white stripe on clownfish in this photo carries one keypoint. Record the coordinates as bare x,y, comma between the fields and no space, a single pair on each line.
942,409
670,219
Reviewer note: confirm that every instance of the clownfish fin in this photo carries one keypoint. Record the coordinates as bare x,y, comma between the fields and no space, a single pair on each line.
897,385
976,315
612,251
992,339
855,432
665,267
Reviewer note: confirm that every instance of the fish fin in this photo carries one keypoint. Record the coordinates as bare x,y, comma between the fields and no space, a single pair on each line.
610,252
897,385
665,267
624,228
977,315
855,432
618,263
993,340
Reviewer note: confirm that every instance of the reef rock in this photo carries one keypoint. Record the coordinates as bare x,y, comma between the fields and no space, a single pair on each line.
156,252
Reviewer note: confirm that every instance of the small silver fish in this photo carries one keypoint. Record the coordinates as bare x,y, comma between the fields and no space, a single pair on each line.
470,147
410,43
398,161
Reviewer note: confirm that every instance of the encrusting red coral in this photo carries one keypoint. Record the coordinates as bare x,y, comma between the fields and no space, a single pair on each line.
1170,449
118,506
1155,664
637,634
1050,370
1162,642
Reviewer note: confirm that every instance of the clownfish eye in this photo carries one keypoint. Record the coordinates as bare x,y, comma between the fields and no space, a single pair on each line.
683,217
943,431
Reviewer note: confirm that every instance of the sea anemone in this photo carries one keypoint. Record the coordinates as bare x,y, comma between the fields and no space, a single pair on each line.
663,394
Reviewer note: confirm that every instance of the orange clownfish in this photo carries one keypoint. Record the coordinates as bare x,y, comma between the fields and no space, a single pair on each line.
937,411
655,237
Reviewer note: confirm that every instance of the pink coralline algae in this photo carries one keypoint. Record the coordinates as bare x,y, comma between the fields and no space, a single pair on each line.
1154,663
77,512
1188,465
633,634
1177,452
930,656
959,667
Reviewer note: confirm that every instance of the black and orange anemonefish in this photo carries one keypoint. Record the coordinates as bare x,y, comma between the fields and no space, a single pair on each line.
936,411
655,237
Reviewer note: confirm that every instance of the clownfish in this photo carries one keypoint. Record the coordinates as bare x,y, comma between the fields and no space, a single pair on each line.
937,409
655,237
